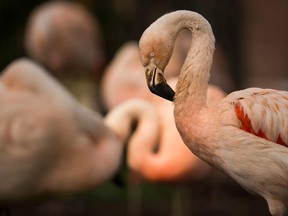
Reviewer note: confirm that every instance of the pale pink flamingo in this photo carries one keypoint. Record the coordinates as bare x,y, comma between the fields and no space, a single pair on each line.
50,145
244,134
66,38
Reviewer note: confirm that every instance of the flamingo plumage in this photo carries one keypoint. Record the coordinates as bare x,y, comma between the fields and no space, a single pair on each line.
244,134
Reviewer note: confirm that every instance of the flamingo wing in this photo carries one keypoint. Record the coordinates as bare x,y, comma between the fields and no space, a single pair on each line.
263,112
257,164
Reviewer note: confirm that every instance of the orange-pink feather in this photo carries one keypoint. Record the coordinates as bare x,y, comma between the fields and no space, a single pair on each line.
247,126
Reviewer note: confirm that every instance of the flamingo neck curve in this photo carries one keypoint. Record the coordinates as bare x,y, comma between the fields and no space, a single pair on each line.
191,88
142,141
192,116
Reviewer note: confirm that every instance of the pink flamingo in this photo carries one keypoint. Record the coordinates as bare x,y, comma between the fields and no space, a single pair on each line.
50,145
244,134
66,38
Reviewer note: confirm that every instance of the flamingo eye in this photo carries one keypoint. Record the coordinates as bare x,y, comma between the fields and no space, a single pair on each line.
152,54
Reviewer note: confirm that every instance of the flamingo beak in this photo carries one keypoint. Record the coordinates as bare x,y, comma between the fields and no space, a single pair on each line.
158,85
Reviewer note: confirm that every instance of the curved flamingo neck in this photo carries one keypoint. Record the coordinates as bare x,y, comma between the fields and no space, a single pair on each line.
135,111
191,88
143,140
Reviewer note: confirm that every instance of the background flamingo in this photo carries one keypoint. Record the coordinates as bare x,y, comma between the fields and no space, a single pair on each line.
67,39
244,134
50,145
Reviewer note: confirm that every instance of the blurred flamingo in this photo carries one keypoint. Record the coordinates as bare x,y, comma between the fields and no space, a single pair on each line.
244,134
67,39
50,145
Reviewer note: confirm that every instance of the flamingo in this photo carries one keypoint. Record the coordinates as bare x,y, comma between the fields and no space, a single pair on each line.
65,37
50,145
244,134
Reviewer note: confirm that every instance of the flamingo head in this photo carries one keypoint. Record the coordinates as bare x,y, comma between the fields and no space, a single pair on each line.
155,55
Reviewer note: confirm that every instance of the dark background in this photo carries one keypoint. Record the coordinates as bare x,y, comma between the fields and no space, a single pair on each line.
125,20
253,35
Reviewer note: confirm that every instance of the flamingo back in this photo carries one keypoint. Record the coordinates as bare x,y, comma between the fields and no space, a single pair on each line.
263,112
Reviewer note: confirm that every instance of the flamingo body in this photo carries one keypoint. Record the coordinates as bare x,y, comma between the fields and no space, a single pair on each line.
244,134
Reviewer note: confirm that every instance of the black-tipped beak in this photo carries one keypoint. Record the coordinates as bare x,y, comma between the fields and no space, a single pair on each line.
158,85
